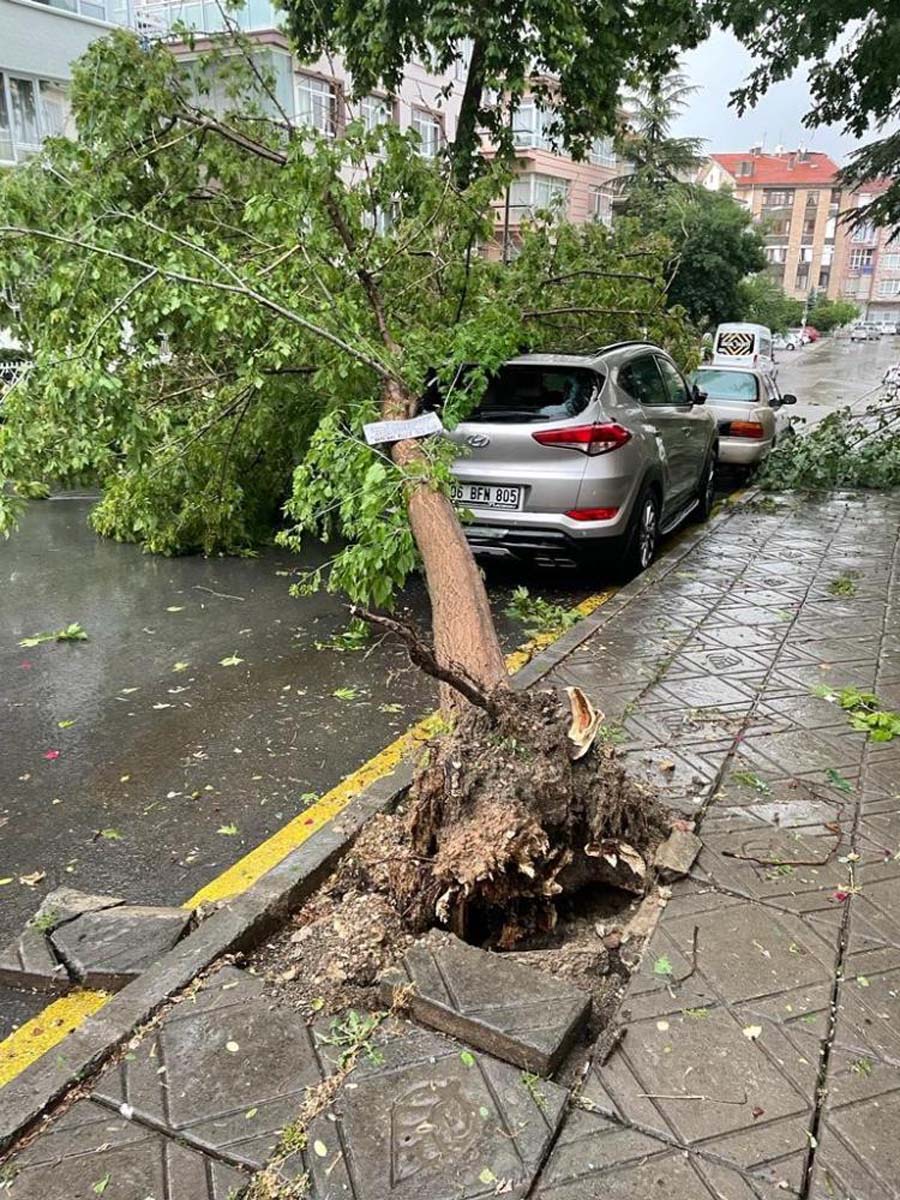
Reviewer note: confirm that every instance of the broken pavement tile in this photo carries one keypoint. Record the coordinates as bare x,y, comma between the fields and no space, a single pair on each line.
89,1149
496,1005
64,904
675,856
109,948
28,963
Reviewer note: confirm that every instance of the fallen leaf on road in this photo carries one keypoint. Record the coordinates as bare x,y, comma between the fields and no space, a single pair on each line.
231,661
320,1148
227,830
344,693
467,1058
755,1113
161,705
50,755
752,1032
662,966
124,778
175,608
101,1185
181,666
65,724
4,882
250,1113
127,691
111,835
33,879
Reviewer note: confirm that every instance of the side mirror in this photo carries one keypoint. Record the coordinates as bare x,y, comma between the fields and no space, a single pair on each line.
699,397
789,398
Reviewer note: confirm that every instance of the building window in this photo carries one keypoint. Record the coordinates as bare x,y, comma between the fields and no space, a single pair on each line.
431,132
812,199
602,205
531,125
809,228
865,232
531,193
30,110
773,199
889,287
824,276
891,260
375,111
461,66
602,153
860,259
745,167
827,256
780,227
316,104
802,281
776,254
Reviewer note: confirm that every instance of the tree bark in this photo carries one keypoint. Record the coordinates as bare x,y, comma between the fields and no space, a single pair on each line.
464,153
463,627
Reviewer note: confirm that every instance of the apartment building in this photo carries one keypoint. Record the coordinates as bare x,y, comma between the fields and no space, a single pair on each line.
316,95
38,42
870,270
795,199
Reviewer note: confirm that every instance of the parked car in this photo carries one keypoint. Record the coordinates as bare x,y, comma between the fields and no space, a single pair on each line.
859,333
749,410
811,332
585,458
801,335
786,341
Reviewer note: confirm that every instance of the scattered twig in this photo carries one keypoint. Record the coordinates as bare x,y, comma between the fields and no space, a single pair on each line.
695,936
692,1096
198,587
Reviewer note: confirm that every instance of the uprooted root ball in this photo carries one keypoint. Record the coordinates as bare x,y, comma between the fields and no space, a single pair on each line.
501,821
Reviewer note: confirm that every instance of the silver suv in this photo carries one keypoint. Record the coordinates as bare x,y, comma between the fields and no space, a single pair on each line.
585,457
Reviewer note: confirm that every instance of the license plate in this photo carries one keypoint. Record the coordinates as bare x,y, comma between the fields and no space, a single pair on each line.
486,495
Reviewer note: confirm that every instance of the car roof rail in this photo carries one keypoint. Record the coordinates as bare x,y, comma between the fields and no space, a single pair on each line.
622,345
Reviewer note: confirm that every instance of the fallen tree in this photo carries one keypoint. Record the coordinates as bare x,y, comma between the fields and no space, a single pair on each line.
216,303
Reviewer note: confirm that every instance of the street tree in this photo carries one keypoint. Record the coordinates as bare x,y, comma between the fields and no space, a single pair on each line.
655,156
764,301
826,315
217,303
852,51
575,57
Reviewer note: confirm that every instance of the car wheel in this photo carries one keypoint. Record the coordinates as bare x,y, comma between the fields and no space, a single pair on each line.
706,489
643,535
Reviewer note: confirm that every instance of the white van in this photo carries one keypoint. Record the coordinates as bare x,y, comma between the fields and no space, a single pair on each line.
743,344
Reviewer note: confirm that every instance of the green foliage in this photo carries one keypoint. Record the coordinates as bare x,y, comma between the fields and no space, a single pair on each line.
352,1036
764,301
71,633
539,615
208,355
840,451
656,157
843,584
826,314
578,55
714,246
865,712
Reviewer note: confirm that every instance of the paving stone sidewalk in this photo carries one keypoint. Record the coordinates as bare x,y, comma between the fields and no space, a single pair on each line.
760,1055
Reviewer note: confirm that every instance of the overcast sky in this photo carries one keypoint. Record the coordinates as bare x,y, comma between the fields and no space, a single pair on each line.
717,67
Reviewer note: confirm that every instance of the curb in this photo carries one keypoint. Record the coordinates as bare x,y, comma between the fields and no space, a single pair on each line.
240,923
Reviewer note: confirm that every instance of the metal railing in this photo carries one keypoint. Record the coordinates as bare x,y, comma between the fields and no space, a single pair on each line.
160,17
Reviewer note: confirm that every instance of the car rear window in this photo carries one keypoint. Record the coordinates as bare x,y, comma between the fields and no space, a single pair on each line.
530,394
727,385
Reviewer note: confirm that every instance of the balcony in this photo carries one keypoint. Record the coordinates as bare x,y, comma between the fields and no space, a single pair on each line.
116,12
159,17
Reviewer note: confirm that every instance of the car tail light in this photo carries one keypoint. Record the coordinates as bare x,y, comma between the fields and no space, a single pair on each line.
746,429
589,439
592,514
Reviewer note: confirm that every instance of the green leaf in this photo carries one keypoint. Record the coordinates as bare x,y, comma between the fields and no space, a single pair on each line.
101,1185
227,830
65,724
838,780
467,1058
111,835
662,966
320,1148
181,666
231,661
345,693
487,1176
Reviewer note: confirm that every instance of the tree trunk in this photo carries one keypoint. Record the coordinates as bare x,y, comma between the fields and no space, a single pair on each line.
464,153
464,634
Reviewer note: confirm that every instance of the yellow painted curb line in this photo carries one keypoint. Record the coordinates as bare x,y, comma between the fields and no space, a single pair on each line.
46,1030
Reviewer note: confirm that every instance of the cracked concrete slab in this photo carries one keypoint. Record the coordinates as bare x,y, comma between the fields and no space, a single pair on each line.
109,947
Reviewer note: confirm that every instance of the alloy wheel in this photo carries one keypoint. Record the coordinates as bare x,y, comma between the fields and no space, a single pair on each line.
647,533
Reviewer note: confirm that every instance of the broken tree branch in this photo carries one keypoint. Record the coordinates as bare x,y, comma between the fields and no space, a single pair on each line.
422,656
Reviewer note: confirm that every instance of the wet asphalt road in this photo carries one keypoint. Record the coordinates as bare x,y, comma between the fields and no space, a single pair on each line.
118,770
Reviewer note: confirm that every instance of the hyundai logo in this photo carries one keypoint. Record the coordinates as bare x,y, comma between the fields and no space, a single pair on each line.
478,440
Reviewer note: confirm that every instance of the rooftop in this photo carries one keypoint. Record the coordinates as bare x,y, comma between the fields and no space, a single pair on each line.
790,167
